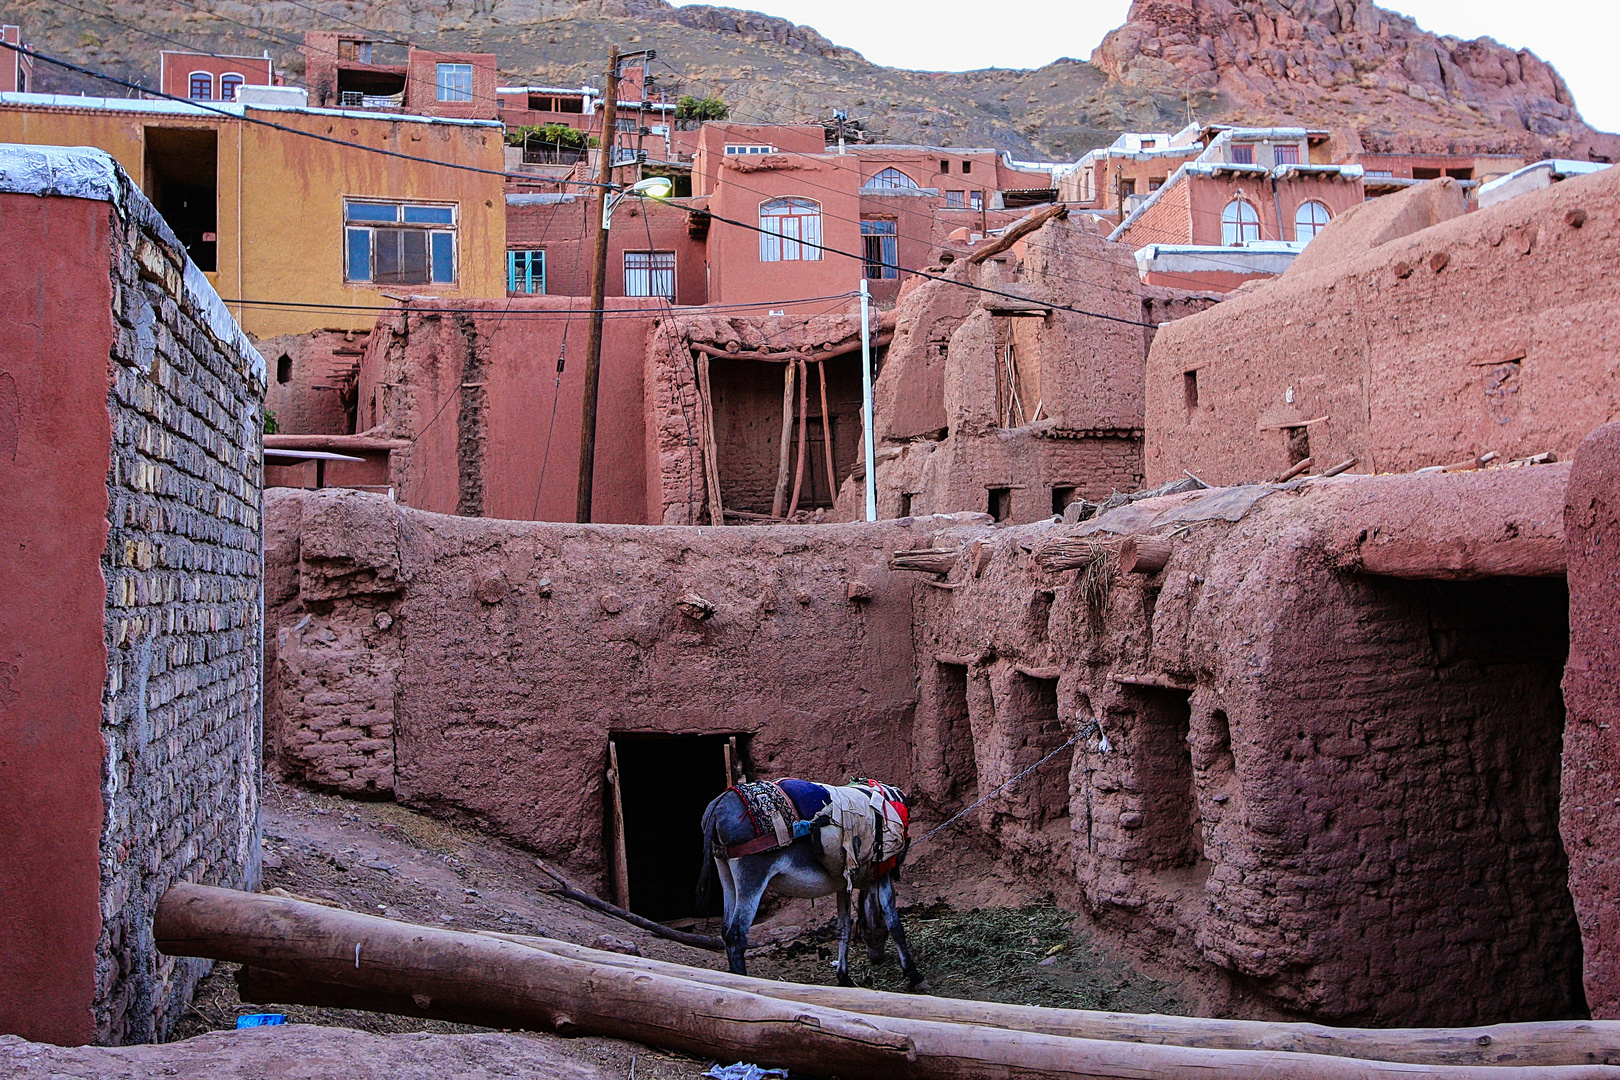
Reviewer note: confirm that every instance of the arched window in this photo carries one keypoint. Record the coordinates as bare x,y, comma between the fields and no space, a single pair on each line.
892,179
1239,223
201,86
790,230
1311,218
228,85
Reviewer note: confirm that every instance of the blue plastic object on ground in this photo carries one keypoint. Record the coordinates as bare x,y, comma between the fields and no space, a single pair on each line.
260,1020
743,1071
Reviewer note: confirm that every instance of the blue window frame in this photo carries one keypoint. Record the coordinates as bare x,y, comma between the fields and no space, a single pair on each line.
881,243
526,272
399,243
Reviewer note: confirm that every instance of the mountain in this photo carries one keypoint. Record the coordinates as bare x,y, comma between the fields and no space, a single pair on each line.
1342,64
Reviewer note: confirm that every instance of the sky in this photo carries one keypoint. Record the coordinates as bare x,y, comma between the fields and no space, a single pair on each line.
1576,36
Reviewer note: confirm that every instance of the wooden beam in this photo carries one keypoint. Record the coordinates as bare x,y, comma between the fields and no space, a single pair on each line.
784,357
826,434
1017,231
1458,560
1142,554
621,864
711,452
804,435
785,457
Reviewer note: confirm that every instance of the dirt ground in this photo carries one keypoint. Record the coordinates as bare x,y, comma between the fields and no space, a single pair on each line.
990,942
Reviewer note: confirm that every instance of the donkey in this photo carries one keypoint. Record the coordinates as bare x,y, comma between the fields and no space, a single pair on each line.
794,870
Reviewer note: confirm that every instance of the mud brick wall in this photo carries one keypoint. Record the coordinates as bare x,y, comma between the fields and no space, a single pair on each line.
1332,792
181,707
1591,823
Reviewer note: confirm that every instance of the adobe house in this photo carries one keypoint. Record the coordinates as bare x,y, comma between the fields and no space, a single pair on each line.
1241,210
211,76
16,68
1419,337
307,234
344,70
130,607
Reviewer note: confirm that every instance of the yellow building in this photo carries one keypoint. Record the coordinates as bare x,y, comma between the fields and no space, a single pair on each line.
295,229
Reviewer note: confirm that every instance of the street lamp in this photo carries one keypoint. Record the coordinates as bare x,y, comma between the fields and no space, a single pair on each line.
654,187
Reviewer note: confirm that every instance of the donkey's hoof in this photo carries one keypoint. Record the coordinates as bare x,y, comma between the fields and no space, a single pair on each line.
877,956
844,979
921,987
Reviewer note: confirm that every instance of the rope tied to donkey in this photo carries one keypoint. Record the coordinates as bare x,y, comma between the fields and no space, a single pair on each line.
954,818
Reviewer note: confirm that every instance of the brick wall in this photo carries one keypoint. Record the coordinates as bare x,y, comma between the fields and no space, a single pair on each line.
181,704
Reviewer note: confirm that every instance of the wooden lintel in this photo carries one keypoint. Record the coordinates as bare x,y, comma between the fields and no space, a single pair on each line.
1299,424
1159,682
958,661
1050,672
1459,560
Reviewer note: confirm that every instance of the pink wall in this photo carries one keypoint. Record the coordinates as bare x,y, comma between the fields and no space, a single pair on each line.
55,439
564,232
482,450
1190,212
178,66
712,140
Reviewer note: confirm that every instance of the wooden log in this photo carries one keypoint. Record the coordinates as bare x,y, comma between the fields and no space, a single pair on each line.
1341,467
926,560
261,986
804,435
621,864
466,971
453,969
596,903
711,452
832,352
1143,554
1551,1043
1072,552
826,433
1299,467
1458,560
1017,231
785,457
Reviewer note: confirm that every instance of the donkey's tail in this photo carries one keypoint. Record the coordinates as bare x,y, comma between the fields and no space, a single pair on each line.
706,874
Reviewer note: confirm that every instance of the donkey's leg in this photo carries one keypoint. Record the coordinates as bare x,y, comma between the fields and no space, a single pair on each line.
843,939
874,930
745,885
891,917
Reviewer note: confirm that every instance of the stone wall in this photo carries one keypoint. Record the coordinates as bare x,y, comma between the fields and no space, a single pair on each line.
1486,333
182,707
1592,736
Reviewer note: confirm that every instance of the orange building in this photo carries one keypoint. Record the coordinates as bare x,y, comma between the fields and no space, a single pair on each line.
212,77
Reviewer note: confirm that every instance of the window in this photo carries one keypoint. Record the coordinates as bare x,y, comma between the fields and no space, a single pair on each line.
882,257
202,86
976,200
1243,155
627,124
892,179
228,85
526,272
955,199
1380,172
1239,223
1287,155
455,82
790,230
750,149
399,243
1155,183
649,273
1311,218
967,167
944,166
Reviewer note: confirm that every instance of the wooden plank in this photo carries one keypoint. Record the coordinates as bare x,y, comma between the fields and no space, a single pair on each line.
826,435
621,865
785,457
736,760
711,451
731,769
804,435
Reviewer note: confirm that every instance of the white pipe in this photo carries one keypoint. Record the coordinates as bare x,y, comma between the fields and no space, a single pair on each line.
869,439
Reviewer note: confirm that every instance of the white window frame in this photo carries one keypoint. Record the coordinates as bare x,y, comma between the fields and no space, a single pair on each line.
892,179
790,230
363,218
1240,223
241,81
453,92
654,268
1309,230
191,85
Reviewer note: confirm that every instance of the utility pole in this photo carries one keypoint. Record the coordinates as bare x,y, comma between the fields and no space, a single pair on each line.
593,347
868,436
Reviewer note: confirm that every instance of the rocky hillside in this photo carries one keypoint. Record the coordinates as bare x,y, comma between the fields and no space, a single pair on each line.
1345,64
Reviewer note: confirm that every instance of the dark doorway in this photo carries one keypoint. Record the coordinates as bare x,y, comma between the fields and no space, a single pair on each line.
666,781
182,180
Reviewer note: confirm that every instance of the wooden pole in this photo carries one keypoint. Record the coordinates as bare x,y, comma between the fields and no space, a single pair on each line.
501,978
786,455
595,903
711,451
593,345
621,864
804,434
826,435
1143,554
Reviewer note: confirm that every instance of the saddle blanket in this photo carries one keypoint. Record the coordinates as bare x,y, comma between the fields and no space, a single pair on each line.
860,828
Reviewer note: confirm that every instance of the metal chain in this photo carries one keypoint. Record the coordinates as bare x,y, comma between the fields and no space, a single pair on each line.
948,822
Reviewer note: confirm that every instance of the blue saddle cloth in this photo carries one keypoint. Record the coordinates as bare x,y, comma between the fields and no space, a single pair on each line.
808,799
